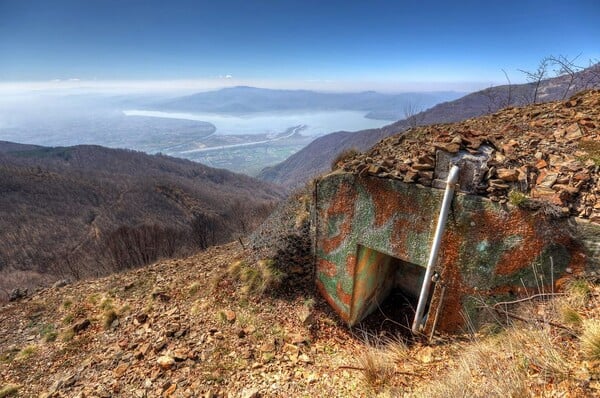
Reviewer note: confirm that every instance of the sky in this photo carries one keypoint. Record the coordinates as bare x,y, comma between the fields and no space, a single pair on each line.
323,45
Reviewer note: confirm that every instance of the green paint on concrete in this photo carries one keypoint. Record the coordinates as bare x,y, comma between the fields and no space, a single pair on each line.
481,238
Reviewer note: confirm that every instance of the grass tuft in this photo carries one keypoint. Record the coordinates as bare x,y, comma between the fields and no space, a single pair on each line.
376,368
48,333
257,278
593,151
108,318
517,198
578,293
570,316
26,352
590,339
9,390
193,289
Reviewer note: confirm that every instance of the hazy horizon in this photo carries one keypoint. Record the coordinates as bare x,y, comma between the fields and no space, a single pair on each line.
185,46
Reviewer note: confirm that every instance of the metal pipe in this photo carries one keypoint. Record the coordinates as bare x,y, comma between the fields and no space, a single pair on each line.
435,247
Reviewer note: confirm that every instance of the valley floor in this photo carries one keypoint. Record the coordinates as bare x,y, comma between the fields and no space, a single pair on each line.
184,328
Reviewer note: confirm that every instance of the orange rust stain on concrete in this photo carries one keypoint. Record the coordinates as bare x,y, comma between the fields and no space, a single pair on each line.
578,256
451,317
503,227
327,267
344,297
324,293
385,201
401,228
342,204
350,264
388,202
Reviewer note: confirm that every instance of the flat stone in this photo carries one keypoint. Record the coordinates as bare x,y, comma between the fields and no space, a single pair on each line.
573,132
509,175
547,179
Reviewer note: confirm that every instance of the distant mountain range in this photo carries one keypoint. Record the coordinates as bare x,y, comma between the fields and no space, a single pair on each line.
88,210
240,100
317,157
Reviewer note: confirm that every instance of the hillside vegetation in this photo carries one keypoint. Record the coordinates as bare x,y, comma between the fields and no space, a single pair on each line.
84,211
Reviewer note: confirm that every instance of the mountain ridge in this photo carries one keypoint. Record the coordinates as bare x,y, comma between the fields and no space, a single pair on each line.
317,157
245,99
63,207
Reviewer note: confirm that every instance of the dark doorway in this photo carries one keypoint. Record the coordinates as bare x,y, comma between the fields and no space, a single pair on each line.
386,292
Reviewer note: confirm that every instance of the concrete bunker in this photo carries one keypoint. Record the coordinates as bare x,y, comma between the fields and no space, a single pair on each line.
366,225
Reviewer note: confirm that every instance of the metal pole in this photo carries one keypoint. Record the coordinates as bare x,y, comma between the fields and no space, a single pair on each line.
435,247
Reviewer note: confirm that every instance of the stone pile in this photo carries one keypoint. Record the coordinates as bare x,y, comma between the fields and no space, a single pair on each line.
546,152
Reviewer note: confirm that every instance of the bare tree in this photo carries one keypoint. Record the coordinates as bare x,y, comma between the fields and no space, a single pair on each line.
204,229
536,78
566,67
509,90
591,78
413,113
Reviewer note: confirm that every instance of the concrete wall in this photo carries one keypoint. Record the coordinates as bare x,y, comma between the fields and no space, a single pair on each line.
488,249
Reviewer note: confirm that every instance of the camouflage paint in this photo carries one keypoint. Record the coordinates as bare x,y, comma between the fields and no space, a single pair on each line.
487,249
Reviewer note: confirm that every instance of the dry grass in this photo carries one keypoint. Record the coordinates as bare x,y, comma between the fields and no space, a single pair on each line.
590,339
257,278
377,362
504,366
108,318
9,390
26,352
193,289
376,368
570,316
527,358
578,293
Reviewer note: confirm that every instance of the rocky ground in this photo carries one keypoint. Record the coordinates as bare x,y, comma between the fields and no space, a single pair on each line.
243,319
188,328
548,152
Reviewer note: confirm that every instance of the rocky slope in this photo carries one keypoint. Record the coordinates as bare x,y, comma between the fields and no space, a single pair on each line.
547,152
317,157
187,328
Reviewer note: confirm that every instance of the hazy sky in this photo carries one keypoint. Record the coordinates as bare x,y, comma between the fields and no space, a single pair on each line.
329,45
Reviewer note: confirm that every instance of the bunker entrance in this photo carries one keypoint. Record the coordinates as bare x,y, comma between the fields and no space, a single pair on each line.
386,290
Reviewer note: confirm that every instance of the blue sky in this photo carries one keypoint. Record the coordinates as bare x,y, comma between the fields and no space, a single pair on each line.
333,45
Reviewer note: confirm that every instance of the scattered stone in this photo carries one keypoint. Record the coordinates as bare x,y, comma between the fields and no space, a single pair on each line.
529,149
141,318
165,361
60,283
250,393
81,325
510,175
17,294
230,315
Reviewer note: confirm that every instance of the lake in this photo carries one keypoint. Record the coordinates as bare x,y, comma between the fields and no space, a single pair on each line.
317,122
